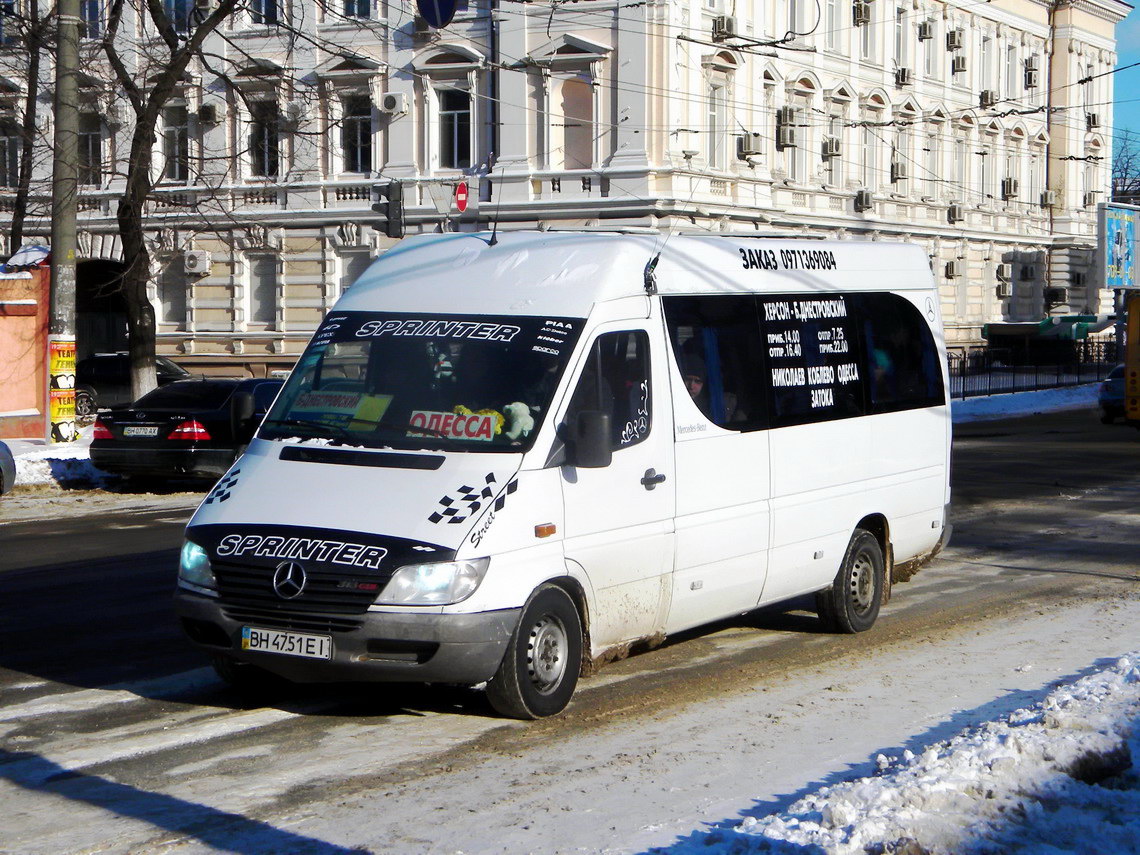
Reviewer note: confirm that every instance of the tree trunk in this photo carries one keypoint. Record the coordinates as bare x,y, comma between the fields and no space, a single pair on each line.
34,43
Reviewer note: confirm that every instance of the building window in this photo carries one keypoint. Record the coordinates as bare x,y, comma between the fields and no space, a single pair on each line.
356,134
985,170
10,147
263,290
263,12
572,124
454,128
90,19
932,171
985,64
793,19
176,144
833,165
832,25
1014,84
178,11
717,127
931,50
961,176
357,8
900,37
352,267
90,166
172,286
264,139
868,146
867,42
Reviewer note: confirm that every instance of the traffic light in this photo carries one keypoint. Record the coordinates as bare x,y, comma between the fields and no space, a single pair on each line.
392,209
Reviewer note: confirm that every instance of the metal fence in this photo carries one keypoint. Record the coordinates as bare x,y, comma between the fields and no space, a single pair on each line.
996,371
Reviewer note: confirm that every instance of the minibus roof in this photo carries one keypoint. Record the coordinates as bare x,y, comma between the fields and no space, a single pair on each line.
564,273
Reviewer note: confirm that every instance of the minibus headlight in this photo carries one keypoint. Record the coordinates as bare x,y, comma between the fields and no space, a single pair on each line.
194,566
438,584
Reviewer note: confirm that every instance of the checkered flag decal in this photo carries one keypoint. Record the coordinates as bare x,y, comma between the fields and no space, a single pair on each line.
460,508
502,500
223,488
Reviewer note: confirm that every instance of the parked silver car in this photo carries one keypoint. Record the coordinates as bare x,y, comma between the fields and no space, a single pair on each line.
7,469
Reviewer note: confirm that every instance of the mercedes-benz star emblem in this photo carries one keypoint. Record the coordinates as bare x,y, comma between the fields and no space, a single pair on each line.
289,580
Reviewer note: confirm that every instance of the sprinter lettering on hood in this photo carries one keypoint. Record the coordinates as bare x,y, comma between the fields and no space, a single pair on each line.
303,548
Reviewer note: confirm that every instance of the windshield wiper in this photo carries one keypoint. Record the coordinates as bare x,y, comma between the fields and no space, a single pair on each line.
332,431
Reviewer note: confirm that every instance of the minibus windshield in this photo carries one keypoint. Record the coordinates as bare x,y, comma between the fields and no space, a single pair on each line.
411,380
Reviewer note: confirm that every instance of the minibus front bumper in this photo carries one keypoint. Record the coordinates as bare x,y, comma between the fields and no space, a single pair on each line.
464,649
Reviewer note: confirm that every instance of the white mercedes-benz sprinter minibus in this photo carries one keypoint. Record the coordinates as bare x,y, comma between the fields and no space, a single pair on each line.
505,459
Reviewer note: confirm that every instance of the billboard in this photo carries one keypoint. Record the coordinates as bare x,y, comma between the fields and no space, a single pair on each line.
1119,227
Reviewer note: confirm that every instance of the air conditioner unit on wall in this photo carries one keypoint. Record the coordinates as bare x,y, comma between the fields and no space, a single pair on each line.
860,13
952,269
987,98
723,27
394,103
1032,78
864,200
832,147
925,30
785,136
749,144
1004,272
898,171
1009,188
210,114
955,40
958,65
955,213
1092,121
902,77
1048,198
1004,290
197,262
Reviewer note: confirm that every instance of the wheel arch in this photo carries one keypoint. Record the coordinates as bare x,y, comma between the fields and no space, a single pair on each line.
577,593
878,525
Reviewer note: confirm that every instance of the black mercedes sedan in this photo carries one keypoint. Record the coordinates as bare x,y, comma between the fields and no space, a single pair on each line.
185,429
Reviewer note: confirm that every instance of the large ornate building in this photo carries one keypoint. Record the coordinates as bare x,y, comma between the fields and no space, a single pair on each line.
981,131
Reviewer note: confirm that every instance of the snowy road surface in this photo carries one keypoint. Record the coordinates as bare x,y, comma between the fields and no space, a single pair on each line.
671,750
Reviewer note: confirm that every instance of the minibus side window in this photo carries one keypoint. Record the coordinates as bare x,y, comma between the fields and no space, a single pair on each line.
814,365
615,380
903,368
716,342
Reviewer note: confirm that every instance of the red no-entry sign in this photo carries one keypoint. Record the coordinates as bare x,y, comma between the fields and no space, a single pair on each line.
461,196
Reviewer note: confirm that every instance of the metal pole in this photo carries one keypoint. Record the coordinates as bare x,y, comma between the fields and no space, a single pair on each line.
61,330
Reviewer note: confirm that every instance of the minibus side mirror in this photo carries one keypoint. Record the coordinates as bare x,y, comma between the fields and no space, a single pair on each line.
592,440
241,413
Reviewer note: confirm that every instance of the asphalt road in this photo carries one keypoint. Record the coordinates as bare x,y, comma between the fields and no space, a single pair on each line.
102,703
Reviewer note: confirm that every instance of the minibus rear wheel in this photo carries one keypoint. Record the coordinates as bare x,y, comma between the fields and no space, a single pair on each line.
539,672
852,602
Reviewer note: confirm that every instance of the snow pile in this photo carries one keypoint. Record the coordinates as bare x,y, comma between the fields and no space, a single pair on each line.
1054,778
66,464
1024,403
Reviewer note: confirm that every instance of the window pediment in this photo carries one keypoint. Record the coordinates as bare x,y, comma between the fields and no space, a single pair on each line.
570,49
353,66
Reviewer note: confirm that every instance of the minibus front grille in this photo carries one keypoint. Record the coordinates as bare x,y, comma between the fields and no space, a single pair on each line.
336,592
272,619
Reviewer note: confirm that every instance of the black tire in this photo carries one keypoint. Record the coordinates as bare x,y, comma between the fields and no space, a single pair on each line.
86,406
539,672
852,602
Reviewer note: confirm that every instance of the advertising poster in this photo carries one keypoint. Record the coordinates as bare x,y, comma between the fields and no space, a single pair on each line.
1119,231
61,389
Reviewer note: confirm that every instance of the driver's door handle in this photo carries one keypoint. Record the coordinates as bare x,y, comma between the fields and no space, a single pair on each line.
652,479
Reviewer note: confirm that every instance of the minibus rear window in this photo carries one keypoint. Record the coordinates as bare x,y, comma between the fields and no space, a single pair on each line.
446,382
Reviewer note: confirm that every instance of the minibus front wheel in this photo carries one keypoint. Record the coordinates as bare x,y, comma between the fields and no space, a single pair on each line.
539,672
852,602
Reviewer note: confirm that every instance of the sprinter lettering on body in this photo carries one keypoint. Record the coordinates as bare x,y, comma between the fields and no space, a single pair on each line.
303,548
439,329
453,425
